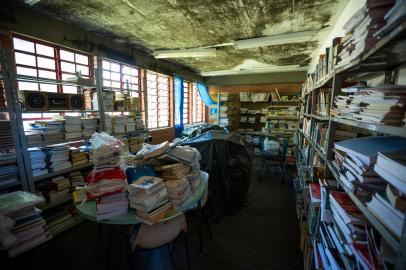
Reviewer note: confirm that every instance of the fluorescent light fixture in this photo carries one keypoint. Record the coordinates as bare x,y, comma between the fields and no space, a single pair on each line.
31,2
200,52
271,69
274,40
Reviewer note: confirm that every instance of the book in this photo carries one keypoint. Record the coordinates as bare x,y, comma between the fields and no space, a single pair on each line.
391,218
393,162
397,199
346,208
367,148
390,178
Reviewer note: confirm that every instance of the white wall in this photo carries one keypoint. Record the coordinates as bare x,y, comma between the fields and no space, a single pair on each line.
336,31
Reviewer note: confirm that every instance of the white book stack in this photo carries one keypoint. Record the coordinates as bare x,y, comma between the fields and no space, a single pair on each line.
59,157
73,127
119,124
90,126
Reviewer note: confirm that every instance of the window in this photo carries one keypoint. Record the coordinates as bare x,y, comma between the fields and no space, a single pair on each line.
186,99
121,76
40,59
197,106
158,99
45,60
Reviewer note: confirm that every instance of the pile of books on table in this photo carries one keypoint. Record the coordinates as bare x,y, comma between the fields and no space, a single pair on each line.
176,183
107,179
149,197
360,29
377,105
73,127
8,168
23,227
90,126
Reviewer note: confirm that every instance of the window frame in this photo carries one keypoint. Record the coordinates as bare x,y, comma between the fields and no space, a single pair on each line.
157,86
197,105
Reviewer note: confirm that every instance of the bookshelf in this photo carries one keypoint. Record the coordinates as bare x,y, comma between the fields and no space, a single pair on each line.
15,113
376,61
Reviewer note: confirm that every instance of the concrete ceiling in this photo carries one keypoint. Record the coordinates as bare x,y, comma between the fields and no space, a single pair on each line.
178,24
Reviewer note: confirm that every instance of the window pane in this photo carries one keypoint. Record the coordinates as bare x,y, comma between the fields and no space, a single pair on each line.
26,71
45,50
68,67
72,114
27,86
115,76
68,56
84,70
115,67
23,45
115,84
106,65
70,89
46,63
67,76
107,83
24,59
82,59
126,70
48,87
134,72
46,74
106,75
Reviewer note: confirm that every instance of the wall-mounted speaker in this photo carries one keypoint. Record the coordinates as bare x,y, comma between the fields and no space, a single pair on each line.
76,102
58,101
34,100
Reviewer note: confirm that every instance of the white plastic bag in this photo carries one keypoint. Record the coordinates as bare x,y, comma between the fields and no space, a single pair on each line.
104,145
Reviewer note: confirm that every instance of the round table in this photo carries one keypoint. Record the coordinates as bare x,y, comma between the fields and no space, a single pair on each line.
88,209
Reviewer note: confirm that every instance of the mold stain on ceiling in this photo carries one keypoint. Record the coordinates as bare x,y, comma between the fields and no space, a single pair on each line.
179,24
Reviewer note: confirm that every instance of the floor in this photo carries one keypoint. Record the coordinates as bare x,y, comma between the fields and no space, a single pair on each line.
262,235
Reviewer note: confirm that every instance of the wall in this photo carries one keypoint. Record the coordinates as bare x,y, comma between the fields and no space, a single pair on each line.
20,19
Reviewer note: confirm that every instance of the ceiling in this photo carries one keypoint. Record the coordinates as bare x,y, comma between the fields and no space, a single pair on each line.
178,24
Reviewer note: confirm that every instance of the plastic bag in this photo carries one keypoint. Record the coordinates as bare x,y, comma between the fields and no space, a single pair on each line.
104,145
105,182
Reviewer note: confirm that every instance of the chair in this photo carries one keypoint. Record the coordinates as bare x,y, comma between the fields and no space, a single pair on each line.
275,154
155,236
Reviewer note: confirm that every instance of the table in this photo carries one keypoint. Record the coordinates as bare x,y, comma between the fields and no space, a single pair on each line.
88,209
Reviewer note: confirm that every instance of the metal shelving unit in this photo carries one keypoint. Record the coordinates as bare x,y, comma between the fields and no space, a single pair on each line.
376,61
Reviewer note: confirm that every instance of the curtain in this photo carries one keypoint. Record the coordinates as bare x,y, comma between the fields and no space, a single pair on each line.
204,94
178,95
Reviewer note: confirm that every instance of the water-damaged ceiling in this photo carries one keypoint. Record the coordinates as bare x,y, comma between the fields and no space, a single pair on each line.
177,24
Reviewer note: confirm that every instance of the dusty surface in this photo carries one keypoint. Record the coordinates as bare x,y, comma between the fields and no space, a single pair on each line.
173,24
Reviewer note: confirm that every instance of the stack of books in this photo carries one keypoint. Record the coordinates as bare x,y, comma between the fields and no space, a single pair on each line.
38,162
130,125
108,119
8,168
111,205
59,189
343,132
52,131
61,220
149,197
76,179
395,16
6,136
78,157
139,122
319,134
2,96
90,126
135,143
73,127
88,94
176,183
360,29
33,138
390,207
377,105
118,124
59,157
24,227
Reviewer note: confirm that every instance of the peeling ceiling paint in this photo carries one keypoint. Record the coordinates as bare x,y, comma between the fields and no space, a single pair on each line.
178,24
